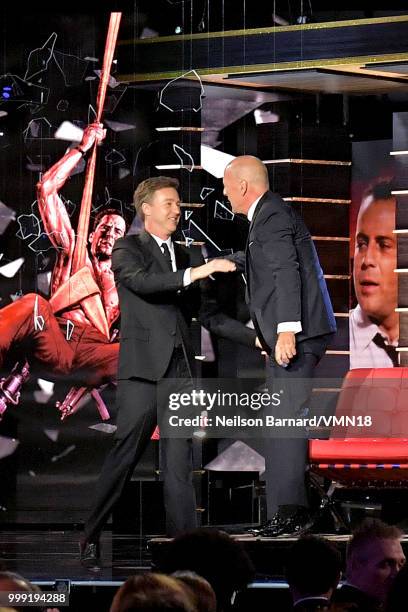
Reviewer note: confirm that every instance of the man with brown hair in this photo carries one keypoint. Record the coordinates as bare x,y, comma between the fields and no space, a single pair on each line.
374,557
158,293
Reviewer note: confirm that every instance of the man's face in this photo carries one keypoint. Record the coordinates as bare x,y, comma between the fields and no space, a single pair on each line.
162,213
109,229
375,259
375,567
233,191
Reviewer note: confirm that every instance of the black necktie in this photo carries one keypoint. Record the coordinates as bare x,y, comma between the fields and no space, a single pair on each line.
388,348
167,256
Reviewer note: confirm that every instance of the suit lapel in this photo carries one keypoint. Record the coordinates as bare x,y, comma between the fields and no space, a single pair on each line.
247,249
150,244
257,211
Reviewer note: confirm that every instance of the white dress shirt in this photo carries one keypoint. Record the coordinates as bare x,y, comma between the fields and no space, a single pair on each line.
286,326
364,353
170,245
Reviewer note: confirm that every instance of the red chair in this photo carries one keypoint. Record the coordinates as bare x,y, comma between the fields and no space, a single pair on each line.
353,458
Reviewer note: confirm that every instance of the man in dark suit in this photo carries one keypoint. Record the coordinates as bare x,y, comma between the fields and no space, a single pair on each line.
293,317
374,558
313,570
158,294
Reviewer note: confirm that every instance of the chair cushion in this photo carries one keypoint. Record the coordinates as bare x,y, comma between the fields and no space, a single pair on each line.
359,450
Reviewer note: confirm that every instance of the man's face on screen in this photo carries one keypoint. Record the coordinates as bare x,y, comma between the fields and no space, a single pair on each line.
109,229
375,259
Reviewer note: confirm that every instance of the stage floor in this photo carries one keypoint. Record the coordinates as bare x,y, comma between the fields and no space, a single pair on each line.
52,555
44,556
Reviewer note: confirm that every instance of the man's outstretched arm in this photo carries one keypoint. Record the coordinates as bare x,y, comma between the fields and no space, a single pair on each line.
129,268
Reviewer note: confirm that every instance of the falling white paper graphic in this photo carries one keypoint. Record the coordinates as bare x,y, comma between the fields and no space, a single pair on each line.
10,270
52,434
117,126
69,131
7,215
7,446
214,162
47,391
104,427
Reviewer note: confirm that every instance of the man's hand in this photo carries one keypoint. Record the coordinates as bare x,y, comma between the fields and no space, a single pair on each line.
92,133
211,267
259,345
285,348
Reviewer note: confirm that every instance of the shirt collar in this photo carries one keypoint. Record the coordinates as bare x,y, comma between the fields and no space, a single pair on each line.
251,209
160,241
314,597
366,329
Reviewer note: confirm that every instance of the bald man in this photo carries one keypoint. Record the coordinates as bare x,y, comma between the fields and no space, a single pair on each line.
293,317
374,324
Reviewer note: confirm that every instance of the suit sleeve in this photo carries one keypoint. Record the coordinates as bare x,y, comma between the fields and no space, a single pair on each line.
276,236
217,322
238,258
129,269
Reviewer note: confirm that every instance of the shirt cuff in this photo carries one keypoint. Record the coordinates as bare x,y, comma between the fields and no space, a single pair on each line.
290,326
187,278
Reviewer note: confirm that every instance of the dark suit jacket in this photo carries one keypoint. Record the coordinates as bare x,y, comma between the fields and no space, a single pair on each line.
354,600
153,302
284,279
312,604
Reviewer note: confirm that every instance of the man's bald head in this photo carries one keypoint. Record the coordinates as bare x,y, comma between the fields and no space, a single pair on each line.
245,180
249,168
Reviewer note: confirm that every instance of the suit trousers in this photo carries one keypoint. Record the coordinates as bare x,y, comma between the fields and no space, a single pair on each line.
140,405
286,457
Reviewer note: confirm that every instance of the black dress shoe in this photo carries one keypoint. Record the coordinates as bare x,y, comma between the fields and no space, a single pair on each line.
296,524
90,555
